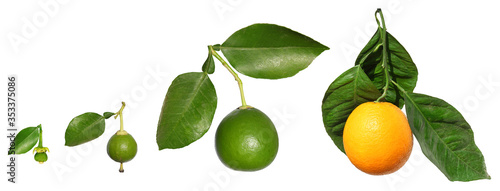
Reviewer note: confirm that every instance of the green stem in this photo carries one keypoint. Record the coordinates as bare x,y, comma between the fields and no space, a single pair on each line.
383,30
235,75
120,113
40,140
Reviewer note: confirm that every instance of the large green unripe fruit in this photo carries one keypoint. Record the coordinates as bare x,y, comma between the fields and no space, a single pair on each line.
122,147
246,140
41,157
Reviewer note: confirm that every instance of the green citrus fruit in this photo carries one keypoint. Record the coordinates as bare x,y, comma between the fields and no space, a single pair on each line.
41,157
246,140
122,147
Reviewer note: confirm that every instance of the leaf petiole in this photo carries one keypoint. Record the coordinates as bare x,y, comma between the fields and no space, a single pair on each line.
399,87
361,62
235,75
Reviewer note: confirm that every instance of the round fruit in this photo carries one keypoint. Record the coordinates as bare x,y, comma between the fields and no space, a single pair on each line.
246,140
377,138
122,147
41,157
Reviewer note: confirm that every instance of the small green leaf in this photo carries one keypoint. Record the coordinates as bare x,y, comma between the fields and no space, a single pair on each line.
209,65
349,90
26,139
107,115
187,112
270,51
401,67
445,137
84,128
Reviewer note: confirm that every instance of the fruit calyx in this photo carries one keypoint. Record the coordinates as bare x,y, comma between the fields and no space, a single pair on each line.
245,107
41,149
121,132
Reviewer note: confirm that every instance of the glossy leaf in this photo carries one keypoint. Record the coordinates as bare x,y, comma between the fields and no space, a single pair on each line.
187,111
270,51
349,90
445,137
84,128
401,67
26,139
209,65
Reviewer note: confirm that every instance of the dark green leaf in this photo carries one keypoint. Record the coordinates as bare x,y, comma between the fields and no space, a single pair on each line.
401,67
270,51
445,138
209,65
26,139
107,115
187,112
84,128
349,90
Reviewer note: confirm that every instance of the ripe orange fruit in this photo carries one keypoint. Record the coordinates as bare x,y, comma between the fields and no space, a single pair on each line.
377,138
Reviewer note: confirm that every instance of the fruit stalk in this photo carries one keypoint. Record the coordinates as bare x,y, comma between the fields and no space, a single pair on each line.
120,113
40,140
383,32
235,75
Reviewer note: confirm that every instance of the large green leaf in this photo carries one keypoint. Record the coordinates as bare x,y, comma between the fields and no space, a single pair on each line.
349,90
401,67
26,139
445,138
187,112
84,128
270,51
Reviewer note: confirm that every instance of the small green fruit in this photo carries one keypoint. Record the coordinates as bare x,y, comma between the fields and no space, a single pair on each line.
41,157
246,140
122,147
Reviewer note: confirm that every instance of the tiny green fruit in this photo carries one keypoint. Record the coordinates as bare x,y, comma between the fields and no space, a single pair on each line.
246,140
122,147
41,157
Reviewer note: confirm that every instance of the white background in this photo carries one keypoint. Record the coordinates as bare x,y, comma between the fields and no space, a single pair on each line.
90,55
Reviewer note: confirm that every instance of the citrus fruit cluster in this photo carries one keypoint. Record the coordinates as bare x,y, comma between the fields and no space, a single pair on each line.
86,127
